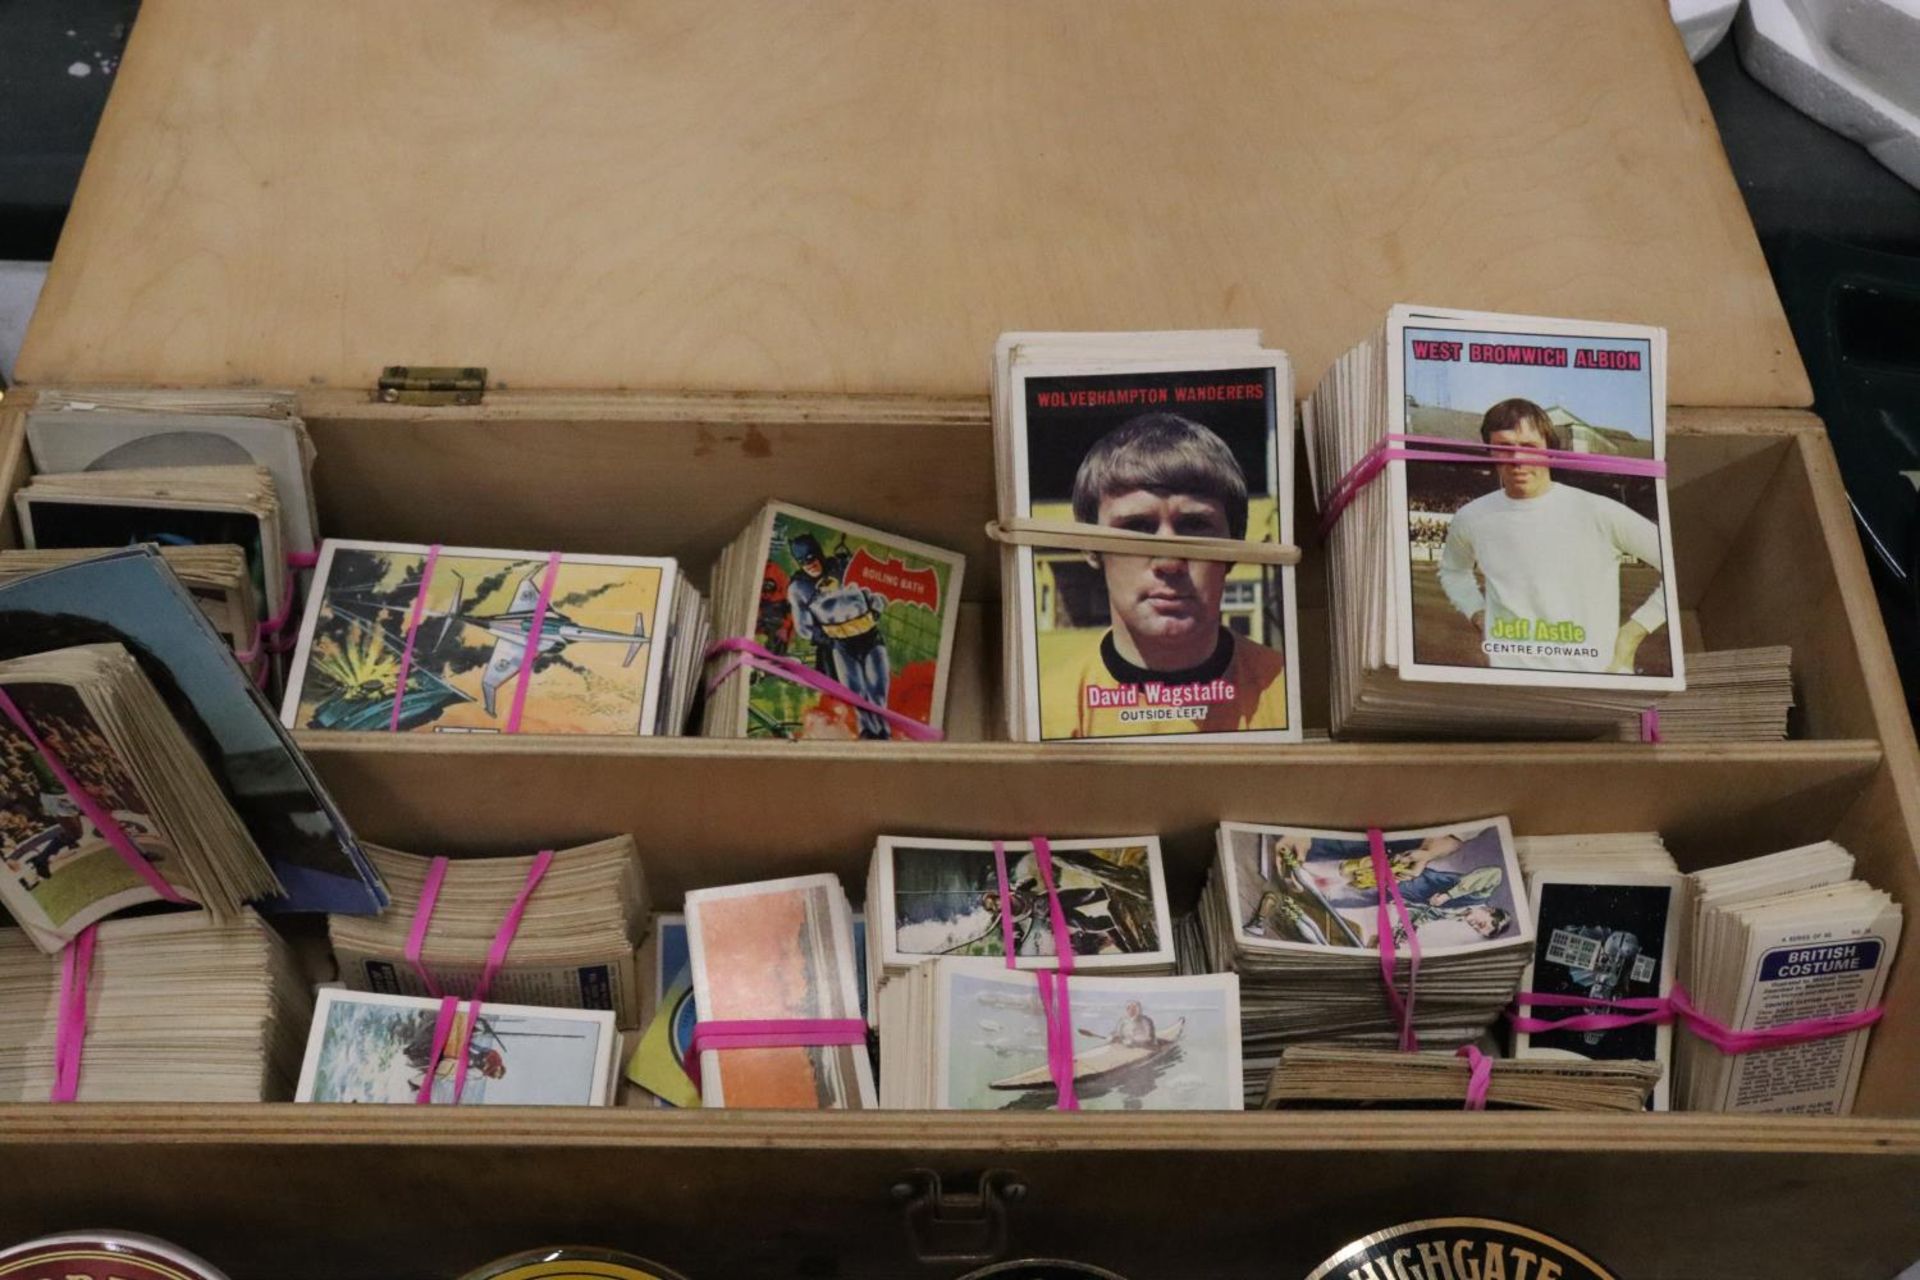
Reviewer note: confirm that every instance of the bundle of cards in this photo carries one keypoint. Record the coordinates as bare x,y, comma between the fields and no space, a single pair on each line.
657,1063
1594,851
1516,575
870,610
180,1008
232,505
1779,940
94,717
131,596
574,948
780,951
929,898
367,1047
1335,1076
1102,442
1295,913
1607,914
120,428
420,639
1732,695
970,1035
216,575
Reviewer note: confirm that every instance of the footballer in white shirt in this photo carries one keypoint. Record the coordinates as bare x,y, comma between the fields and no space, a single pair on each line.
1549,557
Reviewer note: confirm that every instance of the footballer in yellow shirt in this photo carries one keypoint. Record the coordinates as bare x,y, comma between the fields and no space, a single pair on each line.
1166,664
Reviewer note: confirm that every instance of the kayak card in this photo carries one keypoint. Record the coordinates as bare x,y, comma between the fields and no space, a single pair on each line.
778,950
1516,570
1603,936
1140,1044
938,897
61,874
366,1047
1133,433
1296,888
601,653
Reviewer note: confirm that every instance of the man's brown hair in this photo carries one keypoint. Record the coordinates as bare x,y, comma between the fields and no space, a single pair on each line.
1511,415
1161,452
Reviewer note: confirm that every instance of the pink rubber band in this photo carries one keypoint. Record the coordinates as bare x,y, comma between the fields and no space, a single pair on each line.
271,627
1650,725
531,654
497,953
1386,888
1649,1010
1679,1007
770,1033
422,918
1006,892
755,656
103,822
302,559
413,628
70,1036
1055,1004
1062,942
1442,449
442,1027
510,925
1479,1076
496,959
1056,1007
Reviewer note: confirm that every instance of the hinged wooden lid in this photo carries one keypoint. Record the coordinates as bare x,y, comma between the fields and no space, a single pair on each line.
858,195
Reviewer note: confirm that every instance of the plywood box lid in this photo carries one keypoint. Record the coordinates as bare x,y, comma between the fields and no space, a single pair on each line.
858,195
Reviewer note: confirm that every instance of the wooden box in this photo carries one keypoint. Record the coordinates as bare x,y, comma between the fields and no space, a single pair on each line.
717,252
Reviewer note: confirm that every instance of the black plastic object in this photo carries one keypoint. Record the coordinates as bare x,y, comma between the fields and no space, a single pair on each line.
60,59
1856,315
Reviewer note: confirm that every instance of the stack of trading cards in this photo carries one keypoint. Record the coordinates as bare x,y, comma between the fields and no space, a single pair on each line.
1732,695
116,429
1295,913
216,574
929,898
780,951
1103,440
132,595
367,1047
870,610
970,1035
99,721
619,642
1486,588
180,1008
1623,851
667,1014
1323,1076
234,506
1607,914
1778,940
574,947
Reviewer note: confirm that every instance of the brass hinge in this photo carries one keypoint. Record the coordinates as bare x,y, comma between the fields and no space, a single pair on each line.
957,1226
424,384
